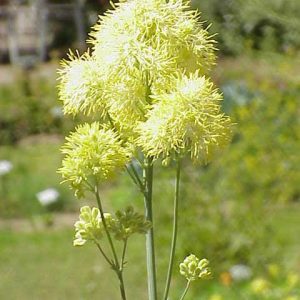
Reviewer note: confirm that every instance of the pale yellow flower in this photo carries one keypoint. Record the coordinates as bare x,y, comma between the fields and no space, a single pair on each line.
90,226
188,118
92,154
81,85
192,268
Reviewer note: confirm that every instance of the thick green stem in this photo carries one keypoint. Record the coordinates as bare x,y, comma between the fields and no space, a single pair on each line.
185,290
116,267
175,229
150,249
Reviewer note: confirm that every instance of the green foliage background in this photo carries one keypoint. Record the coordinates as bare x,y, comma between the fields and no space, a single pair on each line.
257,24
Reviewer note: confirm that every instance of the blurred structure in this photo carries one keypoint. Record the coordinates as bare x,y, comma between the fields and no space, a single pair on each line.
25,30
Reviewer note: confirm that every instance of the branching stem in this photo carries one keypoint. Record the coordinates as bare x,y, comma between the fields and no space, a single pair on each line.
116,266
104,255
135,177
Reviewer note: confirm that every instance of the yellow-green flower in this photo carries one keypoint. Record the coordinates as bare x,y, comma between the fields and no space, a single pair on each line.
260,286
92,154
137,48
188,118
81,85
192,268
145,74
127,223
127,104
89,226
154,36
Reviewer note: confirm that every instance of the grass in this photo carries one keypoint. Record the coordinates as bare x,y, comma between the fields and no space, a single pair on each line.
35,163
45,265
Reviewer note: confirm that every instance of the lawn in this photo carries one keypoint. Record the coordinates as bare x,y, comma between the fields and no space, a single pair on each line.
44,265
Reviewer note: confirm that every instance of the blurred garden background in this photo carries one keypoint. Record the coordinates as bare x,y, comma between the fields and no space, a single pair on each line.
242,211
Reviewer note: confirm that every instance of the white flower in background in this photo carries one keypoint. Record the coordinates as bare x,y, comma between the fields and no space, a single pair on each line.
48,196
56,112
5,167
240,272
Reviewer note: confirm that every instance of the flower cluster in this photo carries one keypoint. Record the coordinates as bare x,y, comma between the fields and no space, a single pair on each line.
89,226
192,268
93,154
152,36
146,72
128,222
122,226
186,118
145,80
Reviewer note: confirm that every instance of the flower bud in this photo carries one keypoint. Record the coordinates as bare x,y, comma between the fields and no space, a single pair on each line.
127,223
90,226
194,269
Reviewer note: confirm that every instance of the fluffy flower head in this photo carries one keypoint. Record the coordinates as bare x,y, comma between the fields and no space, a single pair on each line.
81,85
93,154
187,118
155,36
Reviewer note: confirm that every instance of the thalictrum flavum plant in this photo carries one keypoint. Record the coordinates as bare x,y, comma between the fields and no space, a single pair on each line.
144,81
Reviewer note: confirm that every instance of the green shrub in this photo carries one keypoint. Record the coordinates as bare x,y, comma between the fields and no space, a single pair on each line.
30,107
257,24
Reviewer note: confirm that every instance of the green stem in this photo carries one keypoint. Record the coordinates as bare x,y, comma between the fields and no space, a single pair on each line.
104,255
123,254
150,249
175,230
117,268
106,229
137,176
121,283
185,290
131,175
